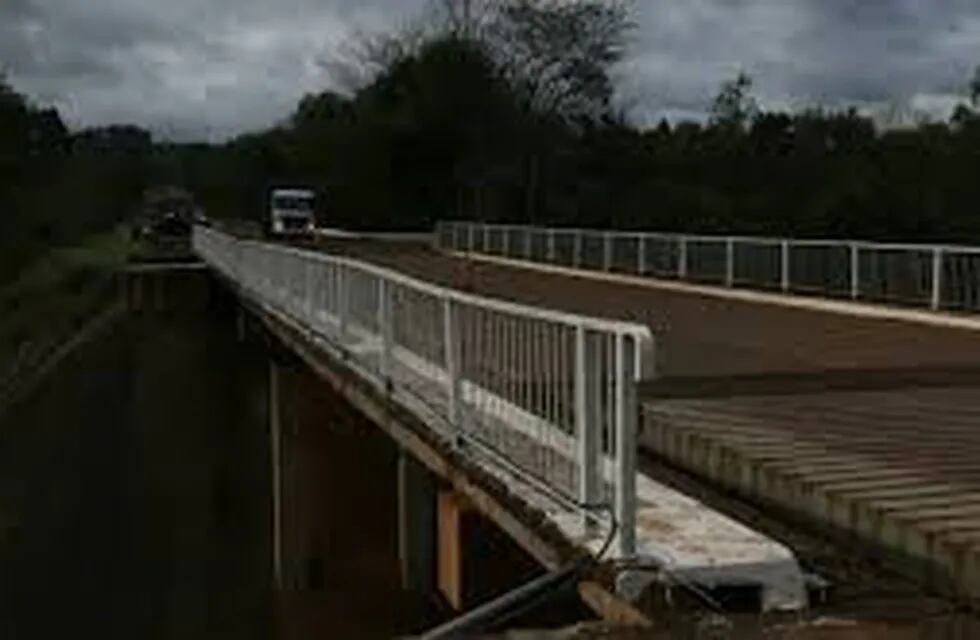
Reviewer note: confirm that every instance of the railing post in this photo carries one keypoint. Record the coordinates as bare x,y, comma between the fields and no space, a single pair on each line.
607,241
342,302
384,331
626,417
505,243
577,251
486,237
855,271
784,265
453,384
471,237
310,293
587,402
551,245
729,262
641,254
682,258
937,278
527,244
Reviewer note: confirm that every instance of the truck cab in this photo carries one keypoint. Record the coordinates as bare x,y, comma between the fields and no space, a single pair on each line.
291,212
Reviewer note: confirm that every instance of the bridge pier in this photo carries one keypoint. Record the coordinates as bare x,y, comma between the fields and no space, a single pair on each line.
453,514
416,525
275,455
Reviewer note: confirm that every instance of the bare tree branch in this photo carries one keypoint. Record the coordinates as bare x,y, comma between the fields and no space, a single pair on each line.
557,54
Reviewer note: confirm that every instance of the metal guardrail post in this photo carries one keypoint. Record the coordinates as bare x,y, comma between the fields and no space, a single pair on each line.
577,250
625,423
505,242
551,245
310,293
471,237
784,265
682,258
453,384
527,243
855,271
729,262
485,230
641,254
342,302
937,278
385,334
587,406
607,240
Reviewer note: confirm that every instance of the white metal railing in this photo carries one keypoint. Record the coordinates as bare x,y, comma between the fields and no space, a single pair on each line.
940,277
545,395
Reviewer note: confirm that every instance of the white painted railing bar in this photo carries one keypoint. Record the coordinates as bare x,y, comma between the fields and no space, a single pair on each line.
939,277
682,258
855,270
523,386
784,266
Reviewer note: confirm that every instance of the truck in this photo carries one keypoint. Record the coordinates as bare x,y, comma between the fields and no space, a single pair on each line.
291,212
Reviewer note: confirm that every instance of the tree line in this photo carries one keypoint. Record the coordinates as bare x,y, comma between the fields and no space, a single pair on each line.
504,110
58,186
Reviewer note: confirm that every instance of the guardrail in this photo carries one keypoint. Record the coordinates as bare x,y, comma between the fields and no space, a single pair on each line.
940,277
547,396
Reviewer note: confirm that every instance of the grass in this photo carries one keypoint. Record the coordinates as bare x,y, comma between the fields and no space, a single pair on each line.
54,295
105,252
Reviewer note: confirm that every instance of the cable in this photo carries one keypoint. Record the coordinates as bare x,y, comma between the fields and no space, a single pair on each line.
613,526
581,566
705,597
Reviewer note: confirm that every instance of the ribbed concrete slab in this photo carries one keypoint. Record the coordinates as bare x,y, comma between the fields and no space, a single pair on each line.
896,467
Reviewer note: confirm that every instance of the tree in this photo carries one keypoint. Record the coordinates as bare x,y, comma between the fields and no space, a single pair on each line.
557,56
319,109
734,106
772,134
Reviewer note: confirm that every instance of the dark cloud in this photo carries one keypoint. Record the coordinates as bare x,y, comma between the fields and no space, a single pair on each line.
188,68
800,52
182,67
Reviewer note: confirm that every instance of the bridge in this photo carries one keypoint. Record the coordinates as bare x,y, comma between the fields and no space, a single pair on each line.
833,380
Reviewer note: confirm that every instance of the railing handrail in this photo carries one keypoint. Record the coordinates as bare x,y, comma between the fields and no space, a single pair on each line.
923,247
586,386
607,325
940,276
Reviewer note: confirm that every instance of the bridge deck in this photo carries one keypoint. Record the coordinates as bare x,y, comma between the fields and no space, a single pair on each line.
870,424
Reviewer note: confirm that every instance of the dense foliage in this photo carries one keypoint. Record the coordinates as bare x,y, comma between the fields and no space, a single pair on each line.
57,186
504,120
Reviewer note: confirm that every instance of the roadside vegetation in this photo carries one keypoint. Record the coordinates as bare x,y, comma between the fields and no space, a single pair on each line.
53,298
506,110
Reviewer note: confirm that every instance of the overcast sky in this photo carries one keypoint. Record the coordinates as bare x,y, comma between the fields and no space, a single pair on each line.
214,68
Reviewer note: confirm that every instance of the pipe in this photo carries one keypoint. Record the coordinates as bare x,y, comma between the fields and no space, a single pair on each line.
505,606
